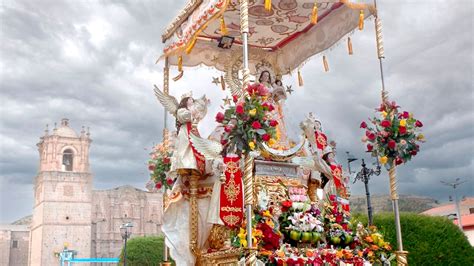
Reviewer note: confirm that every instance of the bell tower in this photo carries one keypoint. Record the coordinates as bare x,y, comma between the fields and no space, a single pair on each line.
63,193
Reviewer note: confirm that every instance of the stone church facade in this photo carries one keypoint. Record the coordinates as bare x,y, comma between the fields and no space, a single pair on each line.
67,211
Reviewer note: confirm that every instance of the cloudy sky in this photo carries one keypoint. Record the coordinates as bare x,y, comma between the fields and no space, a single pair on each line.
94,63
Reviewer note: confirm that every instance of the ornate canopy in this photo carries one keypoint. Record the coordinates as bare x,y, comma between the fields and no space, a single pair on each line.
284,36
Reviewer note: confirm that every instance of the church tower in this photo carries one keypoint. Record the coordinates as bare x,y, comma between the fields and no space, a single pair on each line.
63,193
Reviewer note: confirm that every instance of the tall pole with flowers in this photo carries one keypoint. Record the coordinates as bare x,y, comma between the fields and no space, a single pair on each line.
393,136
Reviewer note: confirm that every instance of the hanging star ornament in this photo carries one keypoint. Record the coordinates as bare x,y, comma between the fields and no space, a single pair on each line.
216,80
289,89
227,100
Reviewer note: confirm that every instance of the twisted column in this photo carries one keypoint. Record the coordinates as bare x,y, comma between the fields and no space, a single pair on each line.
193,214
251,255
378,36
392,174
244,30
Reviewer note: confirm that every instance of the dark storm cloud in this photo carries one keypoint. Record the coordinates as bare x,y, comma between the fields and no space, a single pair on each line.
93,62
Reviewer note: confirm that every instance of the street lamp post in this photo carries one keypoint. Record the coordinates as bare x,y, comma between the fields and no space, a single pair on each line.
364,175
126,232
454,185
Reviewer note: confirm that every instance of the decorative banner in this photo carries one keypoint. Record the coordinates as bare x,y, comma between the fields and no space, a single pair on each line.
231,198
321,140
200,160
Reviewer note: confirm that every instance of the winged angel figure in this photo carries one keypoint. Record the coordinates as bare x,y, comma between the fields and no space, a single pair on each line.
188,112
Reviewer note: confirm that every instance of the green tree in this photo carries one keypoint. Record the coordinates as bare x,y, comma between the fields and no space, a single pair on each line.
144,251
429,240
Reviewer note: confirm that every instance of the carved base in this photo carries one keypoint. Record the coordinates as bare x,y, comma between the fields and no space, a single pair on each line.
218,236
166,263
402,258
221,258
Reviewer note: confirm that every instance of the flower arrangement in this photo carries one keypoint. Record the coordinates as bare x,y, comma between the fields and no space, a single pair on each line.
373,246
265,233
394,137
248,122
337,223
159,165
301,222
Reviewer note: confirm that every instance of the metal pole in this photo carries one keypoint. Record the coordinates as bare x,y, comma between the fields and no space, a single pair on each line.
125,251
458,209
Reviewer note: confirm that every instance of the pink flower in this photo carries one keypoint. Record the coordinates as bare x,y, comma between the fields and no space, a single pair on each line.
369,147
265,137
256,125
262,91
363,125
151,167
402,130
385,123
365,138
239,108
406,115
392,144
418,123
220,117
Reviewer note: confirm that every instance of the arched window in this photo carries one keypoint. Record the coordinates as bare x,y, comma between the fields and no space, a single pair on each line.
68,157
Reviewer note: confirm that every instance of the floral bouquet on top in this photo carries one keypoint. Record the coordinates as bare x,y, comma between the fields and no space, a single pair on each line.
394,137
159,165
248,121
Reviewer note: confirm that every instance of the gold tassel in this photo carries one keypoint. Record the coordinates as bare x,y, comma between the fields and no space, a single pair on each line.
222,83
268,5
191,45
224,30
361,20
325,63
314,14
180,63
300,79
180,69
349,45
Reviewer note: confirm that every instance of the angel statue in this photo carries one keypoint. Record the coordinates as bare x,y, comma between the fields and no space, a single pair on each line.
176,219
314,167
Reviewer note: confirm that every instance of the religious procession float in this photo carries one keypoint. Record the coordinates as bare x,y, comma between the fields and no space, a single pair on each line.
248,194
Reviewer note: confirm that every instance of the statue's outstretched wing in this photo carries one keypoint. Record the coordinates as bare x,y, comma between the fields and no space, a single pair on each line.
169,102
210,149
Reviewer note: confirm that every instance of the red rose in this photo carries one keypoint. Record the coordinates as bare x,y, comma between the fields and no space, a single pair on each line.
402,130
369,147
169,181
286,204
151,167
228,129
256,125
413,152
273,123
265,137
223,141
406,115
271,107
392,144
363,125
418,123
370,135
158,185
239,109
398,161
220,117
385,123
166,160
332,197
235,98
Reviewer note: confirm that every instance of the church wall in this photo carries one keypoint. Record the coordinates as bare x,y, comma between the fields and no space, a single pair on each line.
19,254
5,240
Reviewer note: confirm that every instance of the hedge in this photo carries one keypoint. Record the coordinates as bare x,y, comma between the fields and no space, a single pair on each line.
144,251
429,240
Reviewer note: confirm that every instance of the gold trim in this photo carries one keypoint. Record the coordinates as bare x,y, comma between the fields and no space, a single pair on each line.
182,16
